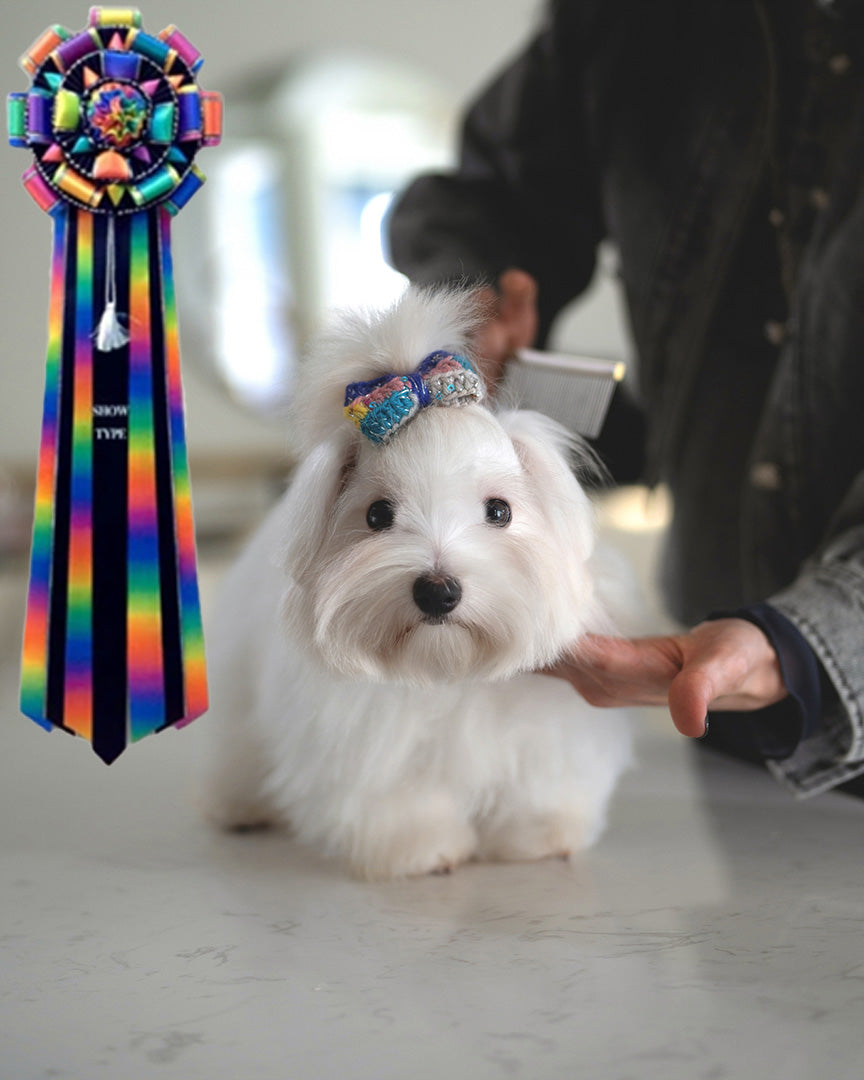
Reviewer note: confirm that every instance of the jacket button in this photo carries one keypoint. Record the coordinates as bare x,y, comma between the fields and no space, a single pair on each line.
839,64
776,217
774,331
765,476
819,198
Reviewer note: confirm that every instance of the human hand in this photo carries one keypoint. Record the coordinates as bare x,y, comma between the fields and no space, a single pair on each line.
511,325
726,664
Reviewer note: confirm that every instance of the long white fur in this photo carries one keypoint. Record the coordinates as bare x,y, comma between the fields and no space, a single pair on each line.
401,746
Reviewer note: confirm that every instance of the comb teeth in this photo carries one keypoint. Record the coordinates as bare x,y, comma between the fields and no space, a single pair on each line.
574,390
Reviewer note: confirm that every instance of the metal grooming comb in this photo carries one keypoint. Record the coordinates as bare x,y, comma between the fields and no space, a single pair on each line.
574,390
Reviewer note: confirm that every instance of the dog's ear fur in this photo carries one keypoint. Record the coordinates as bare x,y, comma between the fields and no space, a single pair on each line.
308,508
553,456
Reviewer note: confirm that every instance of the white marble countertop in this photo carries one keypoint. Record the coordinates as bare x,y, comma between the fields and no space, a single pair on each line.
716,931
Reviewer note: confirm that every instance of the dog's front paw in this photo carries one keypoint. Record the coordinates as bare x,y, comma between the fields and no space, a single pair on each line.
535,835
407,839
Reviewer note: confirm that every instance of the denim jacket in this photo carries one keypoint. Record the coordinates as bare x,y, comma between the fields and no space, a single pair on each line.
670,128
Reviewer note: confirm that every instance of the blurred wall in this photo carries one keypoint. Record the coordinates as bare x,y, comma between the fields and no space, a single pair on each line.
458,43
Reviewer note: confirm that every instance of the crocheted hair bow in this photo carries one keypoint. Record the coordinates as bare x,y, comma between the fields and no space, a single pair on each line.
381,407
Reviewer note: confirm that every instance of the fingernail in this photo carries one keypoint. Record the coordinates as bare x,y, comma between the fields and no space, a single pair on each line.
705,732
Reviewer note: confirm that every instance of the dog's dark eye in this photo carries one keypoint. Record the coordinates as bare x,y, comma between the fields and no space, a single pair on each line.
380,515
498,512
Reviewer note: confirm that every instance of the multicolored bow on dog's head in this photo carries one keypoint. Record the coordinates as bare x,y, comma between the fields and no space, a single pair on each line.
383,406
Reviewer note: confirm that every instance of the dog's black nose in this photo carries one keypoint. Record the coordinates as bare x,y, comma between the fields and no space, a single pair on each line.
436,596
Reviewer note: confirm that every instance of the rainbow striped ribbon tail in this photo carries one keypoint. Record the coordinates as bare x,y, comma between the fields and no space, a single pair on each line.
113,642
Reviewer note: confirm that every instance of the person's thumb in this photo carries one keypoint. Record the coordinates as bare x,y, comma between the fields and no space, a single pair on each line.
690,693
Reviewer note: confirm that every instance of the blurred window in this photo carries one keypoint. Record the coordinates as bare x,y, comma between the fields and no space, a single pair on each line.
291,216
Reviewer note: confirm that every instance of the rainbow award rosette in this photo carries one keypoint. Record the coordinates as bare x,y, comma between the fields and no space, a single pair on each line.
113,644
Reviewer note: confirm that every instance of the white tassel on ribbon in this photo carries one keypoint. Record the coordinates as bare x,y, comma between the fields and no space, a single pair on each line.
110,333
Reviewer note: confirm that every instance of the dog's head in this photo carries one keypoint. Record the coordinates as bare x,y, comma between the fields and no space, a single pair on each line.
455,550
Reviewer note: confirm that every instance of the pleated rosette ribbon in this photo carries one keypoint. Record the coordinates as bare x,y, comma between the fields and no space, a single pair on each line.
113,643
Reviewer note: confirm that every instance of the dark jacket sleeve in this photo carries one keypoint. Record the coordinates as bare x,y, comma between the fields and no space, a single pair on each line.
523,195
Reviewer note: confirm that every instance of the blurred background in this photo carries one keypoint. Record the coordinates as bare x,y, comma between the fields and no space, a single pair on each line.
330,108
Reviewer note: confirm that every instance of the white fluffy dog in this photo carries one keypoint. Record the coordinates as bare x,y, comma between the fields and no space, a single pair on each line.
374,660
